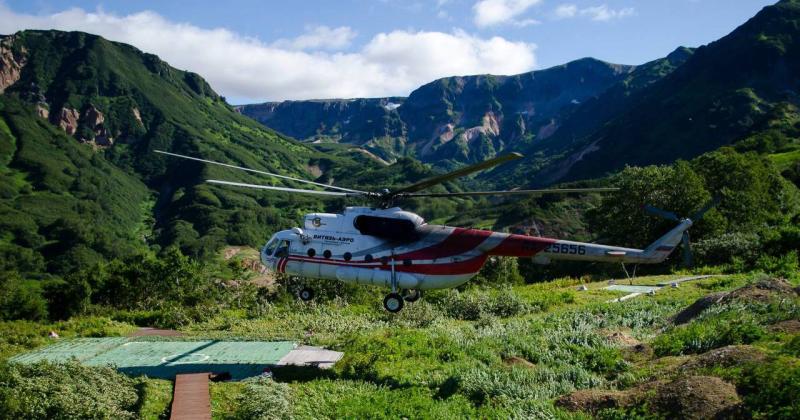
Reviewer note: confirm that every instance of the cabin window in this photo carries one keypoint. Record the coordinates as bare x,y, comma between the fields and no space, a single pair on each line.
327,253
283,249
269,248
384,260
312,252
368,258
348,256
386,227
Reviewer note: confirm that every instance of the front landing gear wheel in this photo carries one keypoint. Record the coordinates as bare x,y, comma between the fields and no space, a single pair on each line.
412,296
393,302
306,294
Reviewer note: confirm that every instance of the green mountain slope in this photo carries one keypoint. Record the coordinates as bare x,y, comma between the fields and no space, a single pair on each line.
738,86
91,112
454,119
61,203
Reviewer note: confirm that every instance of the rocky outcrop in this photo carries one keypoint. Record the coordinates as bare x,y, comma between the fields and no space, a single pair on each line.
43,111
67,120
137,116
11,64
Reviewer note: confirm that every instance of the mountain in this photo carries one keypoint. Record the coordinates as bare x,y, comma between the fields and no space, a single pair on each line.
80,117
457,119
743,85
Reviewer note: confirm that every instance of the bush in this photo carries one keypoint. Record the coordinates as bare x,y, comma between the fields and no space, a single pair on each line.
769,389
709,333
20,301
69,390
263,398
786,266
723,248
473,305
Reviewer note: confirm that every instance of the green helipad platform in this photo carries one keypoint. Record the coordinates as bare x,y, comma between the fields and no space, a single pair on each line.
165,359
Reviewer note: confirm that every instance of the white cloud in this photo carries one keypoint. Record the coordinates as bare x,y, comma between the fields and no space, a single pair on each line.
598,13
603,13
247,69
320,37
566,11
496,12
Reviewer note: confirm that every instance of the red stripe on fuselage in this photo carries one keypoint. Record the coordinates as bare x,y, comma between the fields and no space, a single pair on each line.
458,242
521,246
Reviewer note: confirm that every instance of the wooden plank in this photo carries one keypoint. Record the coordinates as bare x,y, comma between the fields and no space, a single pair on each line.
191,398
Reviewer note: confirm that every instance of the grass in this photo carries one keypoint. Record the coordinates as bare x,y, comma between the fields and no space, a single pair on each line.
477,353
157,398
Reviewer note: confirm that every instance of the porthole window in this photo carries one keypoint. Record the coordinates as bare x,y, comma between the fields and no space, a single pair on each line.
348,256
384,260
327,253
311,252
406,262
368,258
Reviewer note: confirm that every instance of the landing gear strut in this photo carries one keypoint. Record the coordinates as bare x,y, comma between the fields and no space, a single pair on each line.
306,294
393,302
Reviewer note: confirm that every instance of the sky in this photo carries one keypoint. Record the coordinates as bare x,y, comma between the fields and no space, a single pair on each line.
254,51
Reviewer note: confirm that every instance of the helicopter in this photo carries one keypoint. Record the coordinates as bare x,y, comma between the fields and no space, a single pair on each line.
387,246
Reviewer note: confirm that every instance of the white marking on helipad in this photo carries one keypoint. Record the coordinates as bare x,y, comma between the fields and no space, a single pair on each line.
171,359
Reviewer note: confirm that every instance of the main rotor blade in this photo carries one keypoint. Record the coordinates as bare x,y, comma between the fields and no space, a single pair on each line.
457,173
512,192
284,189
319,184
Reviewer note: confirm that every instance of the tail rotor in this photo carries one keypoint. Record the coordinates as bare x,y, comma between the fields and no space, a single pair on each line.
688,258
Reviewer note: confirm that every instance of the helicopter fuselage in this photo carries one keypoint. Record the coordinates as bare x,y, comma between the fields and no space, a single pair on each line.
371,246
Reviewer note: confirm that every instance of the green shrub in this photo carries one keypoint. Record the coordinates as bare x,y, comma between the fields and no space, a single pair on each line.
786,266
263,398
709,333
769,389
68,390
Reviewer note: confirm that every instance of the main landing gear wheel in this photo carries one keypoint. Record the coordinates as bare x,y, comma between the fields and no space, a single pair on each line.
306,294
411,296
393,302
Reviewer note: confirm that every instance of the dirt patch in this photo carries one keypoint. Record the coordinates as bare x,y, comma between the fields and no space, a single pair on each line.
696,397
762,291
690,397
594,400
518,361
158,332
726,356
622,339
791,326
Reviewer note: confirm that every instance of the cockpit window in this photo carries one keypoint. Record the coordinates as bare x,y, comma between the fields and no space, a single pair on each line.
270,247
283,249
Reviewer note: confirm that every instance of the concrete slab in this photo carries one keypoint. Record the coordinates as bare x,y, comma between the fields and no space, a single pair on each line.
311,356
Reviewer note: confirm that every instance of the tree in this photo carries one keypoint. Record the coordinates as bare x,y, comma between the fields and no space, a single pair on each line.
620,219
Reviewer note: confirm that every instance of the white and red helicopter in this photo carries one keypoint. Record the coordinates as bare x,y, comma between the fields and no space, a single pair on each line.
387,246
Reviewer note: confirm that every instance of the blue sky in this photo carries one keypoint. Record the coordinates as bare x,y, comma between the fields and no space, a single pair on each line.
267,50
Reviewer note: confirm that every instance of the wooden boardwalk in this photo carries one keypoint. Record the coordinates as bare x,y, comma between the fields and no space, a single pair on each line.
191,398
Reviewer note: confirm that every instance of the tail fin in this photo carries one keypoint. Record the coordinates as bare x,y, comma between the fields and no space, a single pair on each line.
659,250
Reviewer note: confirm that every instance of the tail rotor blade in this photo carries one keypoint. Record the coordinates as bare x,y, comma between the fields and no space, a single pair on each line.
687,250
700,213
662,213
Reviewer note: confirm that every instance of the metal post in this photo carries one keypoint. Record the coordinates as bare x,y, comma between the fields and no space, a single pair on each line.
394,275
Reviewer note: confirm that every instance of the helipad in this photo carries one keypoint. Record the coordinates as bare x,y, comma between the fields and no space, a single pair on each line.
165,359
